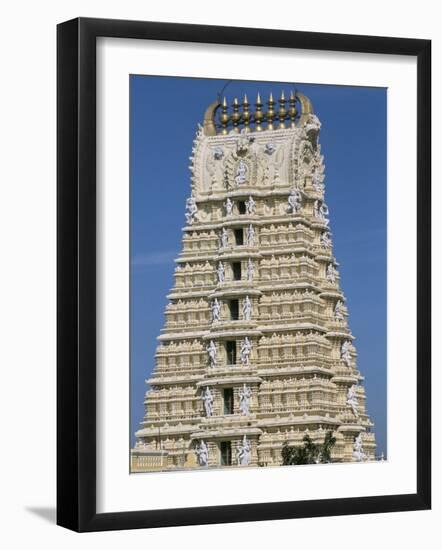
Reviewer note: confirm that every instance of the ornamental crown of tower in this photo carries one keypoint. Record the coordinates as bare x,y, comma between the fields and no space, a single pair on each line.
269,115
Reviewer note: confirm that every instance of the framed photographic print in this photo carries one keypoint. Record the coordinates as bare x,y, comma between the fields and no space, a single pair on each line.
243,274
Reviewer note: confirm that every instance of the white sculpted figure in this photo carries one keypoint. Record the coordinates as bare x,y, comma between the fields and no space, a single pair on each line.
270,148
345,352
245,350
221,272
339,314
294,200
325,239
250,206
241,173
250,270
317,181
358,452
245,393
312,124
218,153
224,238
250,236
192,210
207,398
247,309
229,206
243,452
331,273
202,453
321,211
216,310
211,350
352,399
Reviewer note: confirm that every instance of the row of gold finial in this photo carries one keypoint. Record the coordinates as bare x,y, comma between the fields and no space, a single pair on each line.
279,115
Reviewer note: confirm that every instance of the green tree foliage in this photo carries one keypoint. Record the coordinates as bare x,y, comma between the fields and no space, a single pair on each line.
310,452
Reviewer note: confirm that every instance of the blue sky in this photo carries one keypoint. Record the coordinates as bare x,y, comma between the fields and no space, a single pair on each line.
164,112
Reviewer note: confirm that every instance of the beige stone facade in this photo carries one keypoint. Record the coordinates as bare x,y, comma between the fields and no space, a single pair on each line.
256,266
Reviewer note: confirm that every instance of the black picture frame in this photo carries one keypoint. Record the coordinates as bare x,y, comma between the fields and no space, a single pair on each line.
77,288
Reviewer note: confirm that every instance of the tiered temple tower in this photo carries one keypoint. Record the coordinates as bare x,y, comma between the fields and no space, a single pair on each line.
256,349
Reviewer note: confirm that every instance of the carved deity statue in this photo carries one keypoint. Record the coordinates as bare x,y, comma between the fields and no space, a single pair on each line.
295,201
216,310
245,350
345,352
221,273
250,233
224,238
228,206
331,273
339,314
321,211
207,398
243,452
358,452
247,309
269,148
325,239
218,153
312,124
241,173
245,393
352,399
202,453
316,181
250,270
250,206
211,350
191,210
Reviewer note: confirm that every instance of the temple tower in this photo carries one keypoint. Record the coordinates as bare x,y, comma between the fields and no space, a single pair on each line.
256,349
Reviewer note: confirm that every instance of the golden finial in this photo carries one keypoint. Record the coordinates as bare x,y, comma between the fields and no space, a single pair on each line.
246,113
292,109
270,115
282,113
224,117
236,117
258,113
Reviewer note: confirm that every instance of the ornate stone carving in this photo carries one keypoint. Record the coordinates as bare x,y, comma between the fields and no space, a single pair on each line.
321,212
192,210
250,270
245,351
339,311
202,453
352,399
216,310
207,399
221,273
295,201
250,206
325,239
245,393
224,238
243,452
331,273
269,148
218,153
250,236
358,452
228,206
247,309
212,352
345,352
241,173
